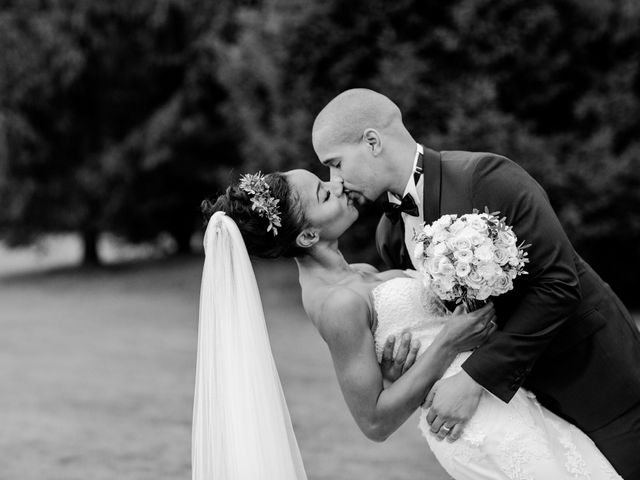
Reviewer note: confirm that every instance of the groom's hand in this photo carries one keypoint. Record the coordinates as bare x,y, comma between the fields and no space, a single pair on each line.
452,402
393,367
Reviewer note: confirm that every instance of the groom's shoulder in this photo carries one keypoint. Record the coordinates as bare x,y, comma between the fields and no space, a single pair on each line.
461,161
465,157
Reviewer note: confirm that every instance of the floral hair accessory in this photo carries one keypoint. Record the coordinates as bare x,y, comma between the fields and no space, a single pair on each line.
261,200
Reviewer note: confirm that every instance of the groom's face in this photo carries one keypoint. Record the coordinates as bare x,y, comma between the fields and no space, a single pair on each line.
355,164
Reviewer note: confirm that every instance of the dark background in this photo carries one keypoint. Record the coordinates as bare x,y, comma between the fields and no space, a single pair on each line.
119,117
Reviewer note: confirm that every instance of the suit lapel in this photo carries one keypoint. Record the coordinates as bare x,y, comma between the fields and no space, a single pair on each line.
432,183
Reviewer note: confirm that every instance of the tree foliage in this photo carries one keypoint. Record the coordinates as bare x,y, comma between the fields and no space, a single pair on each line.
554,85
109,117
121,115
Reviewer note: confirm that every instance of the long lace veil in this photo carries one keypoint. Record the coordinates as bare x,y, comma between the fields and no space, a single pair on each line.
241,424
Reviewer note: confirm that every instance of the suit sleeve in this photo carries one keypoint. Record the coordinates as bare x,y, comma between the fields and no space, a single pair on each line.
550,292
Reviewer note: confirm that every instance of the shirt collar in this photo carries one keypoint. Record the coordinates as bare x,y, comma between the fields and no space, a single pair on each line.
411,188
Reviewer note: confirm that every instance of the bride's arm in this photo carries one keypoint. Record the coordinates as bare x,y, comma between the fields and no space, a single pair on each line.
378,411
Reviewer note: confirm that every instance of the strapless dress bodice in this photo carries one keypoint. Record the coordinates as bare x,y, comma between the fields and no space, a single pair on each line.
403,303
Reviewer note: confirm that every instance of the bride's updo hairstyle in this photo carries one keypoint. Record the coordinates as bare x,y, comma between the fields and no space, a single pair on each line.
236,203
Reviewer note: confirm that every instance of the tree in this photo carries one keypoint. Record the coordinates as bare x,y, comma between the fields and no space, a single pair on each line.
99,99
554,85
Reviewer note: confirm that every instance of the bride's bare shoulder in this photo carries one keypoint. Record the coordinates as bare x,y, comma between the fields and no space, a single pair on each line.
339,310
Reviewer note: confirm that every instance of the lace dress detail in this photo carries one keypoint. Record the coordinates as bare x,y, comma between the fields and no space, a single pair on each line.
520,440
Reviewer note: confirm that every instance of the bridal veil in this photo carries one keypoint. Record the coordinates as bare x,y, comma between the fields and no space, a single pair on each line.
241,425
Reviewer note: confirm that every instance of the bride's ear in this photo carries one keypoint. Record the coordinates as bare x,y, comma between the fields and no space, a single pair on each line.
372,139
307,238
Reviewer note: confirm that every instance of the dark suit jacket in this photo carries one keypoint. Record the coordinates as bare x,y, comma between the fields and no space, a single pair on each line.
563,333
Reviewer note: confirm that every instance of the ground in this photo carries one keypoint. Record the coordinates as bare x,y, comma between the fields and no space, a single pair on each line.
97,375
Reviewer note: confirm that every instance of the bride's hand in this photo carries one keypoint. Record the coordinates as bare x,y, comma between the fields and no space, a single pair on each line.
468,330
393,366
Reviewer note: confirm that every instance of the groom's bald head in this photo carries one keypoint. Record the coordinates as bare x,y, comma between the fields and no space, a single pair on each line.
345,118
360,136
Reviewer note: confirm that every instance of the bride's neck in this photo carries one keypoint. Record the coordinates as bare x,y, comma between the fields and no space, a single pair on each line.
325,262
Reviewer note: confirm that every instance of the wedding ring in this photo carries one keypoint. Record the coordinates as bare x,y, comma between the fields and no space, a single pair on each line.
493,324
445,428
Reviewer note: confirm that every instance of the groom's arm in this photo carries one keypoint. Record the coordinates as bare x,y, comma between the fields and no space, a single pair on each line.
550,292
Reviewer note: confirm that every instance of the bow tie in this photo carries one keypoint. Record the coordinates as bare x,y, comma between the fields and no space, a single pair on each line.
408,206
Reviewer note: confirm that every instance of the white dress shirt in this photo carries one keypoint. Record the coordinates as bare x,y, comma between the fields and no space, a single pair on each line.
412,223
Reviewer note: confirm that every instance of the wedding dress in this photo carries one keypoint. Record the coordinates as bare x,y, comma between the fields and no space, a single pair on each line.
520,440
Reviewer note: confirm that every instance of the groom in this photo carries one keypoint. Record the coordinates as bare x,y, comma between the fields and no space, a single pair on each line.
563,333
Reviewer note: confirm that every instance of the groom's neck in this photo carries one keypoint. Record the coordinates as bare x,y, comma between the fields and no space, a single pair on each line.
401,163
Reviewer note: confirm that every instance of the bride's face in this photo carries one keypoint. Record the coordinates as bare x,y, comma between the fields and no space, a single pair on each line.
325,205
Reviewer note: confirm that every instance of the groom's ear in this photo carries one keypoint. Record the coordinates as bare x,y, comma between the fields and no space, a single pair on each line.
372,139
307,238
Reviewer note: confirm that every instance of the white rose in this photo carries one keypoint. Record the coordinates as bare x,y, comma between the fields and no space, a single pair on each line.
460,243
484,292
468,232
478,224
462,269
444,221
484,252
440,248
445,267
488,271
440,235
457,226
502,284
465,256
501,256
473,280
472,235
506,238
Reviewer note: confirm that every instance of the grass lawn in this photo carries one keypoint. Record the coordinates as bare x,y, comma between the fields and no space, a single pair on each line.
97,372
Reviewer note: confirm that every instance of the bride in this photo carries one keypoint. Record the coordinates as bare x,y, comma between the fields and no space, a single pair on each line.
241,425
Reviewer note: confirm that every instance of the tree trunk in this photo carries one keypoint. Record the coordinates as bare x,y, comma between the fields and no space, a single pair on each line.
90,256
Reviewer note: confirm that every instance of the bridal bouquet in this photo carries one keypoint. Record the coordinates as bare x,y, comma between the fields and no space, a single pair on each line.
470,258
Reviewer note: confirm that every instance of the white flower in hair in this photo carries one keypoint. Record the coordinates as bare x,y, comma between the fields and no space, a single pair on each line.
261,200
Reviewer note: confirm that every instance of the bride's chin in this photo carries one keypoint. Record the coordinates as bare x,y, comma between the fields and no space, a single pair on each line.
355,214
